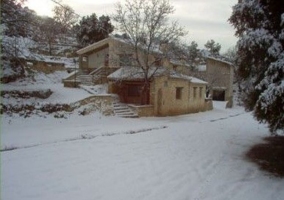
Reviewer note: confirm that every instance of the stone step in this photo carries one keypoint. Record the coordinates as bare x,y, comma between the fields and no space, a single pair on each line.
123,110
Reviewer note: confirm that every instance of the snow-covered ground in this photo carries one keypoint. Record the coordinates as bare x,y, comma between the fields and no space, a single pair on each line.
43,81
196,156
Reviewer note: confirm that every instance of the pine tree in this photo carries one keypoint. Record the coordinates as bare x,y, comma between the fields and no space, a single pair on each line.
213,48
91,29
259,26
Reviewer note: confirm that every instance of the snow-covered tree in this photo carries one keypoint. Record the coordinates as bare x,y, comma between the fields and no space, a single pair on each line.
91,29
259,26
16,24
16,20
147,25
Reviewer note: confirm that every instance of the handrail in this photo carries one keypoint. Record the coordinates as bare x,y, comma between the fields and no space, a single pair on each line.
71,75
95,70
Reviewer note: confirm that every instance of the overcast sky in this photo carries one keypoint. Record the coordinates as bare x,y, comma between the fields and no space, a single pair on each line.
203,19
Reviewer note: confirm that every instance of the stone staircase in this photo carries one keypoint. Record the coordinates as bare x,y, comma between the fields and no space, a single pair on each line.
86,79
123,110
97,76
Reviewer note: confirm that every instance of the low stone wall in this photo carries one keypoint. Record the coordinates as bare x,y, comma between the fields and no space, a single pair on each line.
42,94
46,67
101,103
71,83
143,110
229,104
208,104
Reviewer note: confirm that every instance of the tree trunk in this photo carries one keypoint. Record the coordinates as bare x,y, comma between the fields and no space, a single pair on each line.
145,94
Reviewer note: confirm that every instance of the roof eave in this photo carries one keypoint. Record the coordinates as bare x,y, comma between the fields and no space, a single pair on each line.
93,46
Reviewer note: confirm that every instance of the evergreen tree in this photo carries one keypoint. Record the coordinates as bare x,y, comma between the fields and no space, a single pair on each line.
259,26
91,29
194,52
213,48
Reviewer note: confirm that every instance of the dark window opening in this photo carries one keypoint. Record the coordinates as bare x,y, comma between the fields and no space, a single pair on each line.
194,92
178,92
218,95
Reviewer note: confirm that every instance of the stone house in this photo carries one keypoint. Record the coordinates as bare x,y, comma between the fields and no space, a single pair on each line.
171,92
220,75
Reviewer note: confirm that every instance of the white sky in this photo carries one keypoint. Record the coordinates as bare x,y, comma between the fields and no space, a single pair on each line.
203,19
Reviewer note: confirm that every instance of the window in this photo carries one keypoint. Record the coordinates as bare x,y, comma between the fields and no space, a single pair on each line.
194,92
178,92
200,92
84,59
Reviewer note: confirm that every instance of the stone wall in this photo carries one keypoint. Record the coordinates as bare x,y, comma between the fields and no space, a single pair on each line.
220,77
166,101
46,67
101,103
71,83
143,110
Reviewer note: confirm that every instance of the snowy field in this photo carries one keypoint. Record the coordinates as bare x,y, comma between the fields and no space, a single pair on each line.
93,157
190,157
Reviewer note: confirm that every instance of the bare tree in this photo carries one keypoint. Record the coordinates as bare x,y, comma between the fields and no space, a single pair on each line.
48,32
147,26
66,16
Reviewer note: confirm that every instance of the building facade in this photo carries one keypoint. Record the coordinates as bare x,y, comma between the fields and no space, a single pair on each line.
171,92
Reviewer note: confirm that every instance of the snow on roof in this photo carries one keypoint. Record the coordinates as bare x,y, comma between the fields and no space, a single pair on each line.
201,68
220,60
136,73
178,62
94,46
174,74
219,88
154,48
